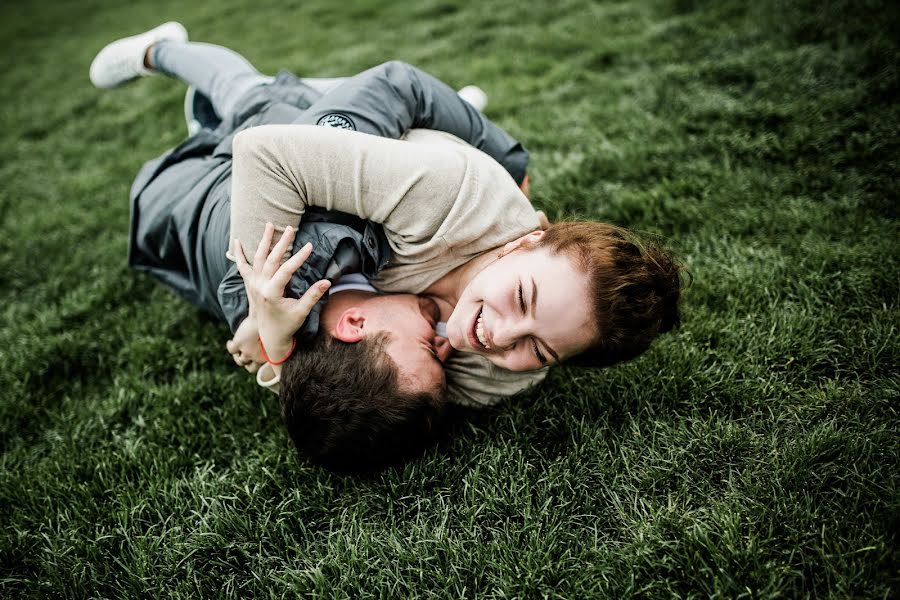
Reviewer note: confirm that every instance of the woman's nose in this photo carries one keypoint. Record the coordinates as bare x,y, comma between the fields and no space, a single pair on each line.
507,332
442,348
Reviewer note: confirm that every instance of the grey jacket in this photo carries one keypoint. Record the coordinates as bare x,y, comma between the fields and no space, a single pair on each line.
180,202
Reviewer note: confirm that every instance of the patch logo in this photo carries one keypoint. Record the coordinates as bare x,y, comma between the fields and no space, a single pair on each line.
336,120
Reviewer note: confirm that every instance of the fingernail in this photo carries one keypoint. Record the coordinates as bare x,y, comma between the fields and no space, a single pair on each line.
324,285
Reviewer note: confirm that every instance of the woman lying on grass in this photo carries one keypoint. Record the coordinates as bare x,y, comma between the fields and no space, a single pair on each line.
515,297
449,219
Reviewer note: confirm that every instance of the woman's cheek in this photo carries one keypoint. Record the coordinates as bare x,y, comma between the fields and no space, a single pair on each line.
510,363
456,336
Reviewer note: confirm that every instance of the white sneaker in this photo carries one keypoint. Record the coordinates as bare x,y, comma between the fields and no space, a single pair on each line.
475,96
123,60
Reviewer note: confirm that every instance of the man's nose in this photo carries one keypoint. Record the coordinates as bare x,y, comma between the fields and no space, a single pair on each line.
442,348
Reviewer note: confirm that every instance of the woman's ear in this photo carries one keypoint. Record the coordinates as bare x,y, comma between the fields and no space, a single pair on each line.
349,327
529,240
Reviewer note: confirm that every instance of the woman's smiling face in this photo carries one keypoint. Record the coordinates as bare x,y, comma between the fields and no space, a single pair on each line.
528,309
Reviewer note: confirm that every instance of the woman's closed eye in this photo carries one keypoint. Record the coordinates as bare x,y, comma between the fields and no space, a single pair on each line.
537,352
534,346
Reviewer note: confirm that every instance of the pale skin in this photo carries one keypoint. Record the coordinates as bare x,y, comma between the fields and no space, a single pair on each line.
529,305
265,280
349,316
446,292
522,307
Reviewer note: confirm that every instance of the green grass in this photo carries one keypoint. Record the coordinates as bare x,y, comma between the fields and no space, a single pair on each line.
754,453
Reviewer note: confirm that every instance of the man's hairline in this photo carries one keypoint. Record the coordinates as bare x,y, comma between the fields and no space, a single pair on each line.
404,381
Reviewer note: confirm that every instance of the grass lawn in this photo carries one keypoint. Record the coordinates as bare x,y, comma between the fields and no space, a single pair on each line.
752,453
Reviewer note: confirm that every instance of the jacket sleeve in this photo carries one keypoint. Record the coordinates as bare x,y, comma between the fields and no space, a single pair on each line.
394,97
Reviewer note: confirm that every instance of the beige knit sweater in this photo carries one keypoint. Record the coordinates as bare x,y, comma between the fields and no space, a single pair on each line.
441,202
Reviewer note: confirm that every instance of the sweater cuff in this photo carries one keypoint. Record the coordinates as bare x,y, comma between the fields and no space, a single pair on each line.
267,378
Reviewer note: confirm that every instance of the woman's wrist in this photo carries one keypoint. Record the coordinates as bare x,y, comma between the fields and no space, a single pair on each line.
276,351
277,338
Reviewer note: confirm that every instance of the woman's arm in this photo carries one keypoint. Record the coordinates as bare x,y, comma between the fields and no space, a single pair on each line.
280,170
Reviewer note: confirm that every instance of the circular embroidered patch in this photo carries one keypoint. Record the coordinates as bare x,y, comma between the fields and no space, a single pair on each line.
336,120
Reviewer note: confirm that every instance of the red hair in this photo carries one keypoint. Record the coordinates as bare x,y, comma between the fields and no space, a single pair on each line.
634,286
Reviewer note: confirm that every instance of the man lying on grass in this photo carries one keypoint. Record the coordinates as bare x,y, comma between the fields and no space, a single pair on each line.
373,381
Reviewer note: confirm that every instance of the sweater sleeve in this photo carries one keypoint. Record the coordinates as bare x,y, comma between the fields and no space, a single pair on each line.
280,170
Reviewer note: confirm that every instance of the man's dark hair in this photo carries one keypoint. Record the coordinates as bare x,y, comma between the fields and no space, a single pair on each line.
344,408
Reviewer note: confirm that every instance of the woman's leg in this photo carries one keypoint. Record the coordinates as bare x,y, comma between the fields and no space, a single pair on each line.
217,73
220,74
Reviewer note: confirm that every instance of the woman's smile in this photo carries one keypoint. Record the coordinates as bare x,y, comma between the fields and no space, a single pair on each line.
478,337
523,310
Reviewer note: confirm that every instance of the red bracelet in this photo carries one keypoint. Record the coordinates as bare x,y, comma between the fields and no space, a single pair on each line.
273,362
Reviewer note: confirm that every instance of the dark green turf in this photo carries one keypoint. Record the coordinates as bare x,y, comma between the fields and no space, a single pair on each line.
752,454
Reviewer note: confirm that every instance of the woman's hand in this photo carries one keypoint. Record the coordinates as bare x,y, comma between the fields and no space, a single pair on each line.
244,346
277,317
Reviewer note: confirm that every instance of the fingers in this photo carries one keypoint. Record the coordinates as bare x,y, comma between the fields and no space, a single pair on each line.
305,304
275,276
252,367
526,186
278,252
283,276
262,251
237,249
246,362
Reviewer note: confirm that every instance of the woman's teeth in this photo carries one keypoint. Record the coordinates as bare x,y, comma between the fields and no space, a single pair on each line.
479,331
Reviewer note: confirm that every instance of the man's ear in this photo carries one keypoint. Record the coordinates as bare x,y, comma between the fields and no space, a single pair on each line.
529,240
349,327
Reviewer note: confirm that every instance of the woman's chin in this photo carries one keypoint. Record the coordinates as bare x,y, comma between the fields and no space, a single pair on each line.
456,335
458,342
461,344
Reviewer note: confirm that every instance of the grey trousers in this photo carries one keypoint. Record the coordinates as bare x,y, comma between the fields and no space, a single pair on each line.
220,74
386,100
